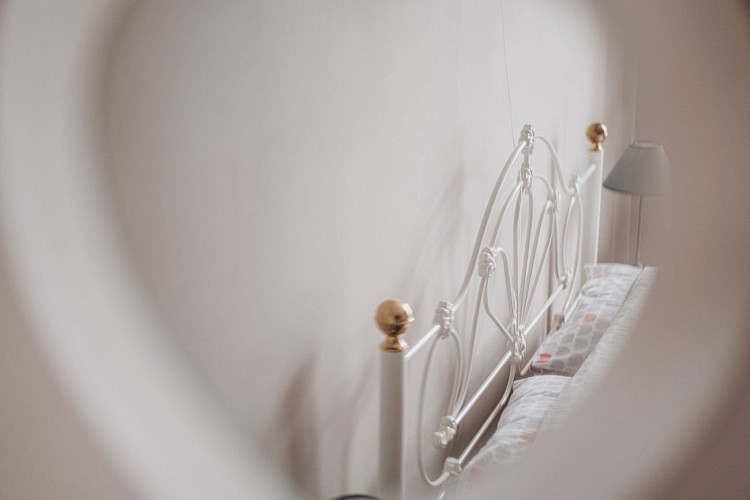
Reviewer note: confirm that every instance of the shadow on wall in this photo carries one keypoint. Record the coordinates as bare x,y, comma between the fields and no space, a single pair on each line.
445,228
296,441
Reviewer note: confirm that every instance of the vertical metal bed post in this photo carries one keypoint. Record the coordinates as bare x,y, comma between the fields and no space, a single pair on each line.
393,318
596,133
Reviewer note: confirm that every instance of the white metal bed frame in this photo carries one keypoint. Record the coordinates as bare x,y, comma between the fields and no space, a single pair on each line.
521,266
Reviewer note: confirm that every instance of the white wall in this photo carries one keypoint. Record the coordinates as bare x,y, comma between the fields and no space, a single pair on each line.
272,171
279,169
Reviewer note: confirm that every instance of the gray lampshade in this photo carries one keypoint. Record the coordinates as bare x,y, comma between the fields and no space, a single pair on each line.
643,169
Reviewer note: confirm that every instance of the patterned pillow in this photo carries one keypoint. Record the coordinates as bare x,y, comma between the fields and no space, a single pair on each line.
606,351
519,423
602,295
609,279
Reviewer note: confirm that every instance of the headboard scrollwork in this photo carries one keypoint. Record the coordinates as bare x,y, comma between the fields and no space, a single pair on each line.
539,246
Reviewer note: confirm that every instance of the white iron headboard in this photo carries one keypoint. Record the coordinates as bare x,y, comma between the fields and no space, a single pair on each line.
551,240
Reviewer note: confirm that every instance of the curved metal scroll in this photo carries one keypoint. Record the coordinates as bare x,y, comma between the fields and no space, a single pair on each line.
537,241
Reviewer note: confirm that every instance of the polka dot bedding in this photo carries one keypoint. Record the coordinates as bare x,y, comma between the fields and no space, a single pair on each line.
608,348
605,290
520,421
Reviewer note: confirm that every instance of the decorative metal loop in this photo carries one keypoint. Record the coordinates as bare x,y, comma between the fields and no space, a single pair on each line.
452,466
444,316
519,346
567,278
526,175
527,135
554,199
445,433
575,185
487,262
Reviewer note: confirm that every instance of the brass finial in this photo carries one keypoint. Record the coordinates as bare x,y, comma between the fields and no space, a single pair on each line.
393,318
596,133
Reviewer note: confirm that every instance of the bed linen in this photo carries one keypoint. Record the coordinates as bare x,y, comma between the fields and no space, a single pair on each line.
540,403
518,425
606,288
606,351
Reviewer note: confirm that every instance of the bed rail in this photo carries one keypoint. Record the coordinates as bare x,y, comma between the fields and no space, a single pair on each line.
536,244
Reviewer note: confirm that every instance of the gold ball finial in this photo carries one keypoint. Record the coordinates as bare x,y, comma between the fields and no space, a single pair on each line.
393,318
596,133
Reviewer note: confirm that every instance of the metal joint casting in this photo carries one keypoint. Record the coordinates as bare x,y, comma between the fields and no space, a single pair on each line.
444,317
445,433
